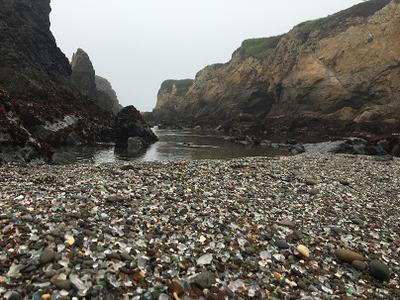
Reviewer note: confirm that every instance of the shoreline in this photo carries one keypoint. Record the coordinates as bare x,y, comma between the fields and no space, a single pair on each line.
207,228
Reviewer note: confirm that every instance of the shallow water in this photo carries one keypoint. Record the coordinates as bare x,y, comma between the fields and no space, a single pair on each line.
175,145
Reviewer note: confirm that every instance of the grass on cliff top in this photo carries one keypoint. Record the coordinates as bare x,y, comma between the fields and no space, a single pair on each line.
328,24
259,48
182,86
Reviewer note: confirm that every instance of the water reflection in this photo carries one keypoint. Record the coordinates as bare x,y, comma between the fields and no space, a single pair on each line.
174,145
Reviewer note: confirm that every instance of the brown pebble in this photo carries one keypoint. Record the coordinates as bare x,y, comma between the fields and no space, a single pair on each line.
348,255
359,265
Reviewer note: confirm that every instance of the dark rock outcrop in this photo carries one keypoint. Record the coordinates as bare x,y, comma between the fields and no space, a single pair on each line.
83,74
96,88
37,77
16,142
31,64
106,96
333,77
130,124
40,106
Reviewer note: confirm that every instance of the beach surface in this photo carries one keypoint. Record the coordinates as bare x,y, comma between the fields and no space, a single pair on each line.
311,226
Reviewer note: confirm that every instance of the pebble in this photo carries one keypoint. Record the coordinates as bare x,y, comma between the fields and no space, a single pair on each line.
311,181
303,250
277,275
206,259
62,284
15,296
287,223
379,270
148,231
344,182
313,192
360,265
348,256
47,256
204,280
282,244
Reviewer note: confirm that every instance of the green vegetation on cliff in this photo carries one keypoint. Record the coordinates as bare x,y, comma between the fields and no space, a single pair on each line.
327,25
182,86
259,48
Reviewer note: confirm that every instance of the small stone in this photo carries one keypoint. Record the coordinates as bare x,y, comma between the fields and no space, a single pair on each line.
205,280
379,270
359,265
297,235
206,259
311,181
62,284
14,296
348,255
282,244
267,236
357,221
47,256
344,182
277,275
175,289
220,267
336,230
303,250
286,222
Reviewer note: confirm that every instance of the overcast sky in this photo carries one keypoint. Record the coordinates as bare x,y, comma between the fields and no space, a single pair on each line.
138,44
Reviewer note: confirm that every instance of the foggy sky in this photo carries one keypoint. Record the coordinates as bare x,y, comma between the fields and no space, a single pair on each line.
139,44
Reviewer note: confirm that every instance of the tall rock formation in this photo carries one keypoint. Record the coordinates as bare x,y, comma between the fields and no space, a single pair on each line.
106,96
334,76
40,106
97,89
83,74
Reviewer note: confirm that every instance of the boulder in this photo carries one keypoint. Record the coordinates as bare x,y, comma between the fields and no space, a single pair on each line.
63,158
135,144
129,123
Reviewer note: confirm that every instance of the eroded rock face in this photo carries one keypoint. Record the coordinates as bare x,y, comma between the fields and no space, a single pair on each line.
129,124
31,64
96,88
16,142
37,77
106,96
329,77
40,106
83,74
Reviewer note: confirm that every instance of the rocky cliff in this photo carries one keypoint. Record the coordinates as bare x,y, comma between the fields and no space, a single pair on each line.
106,95
83,74
31,64
95,88
40,106
334,76
171,100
